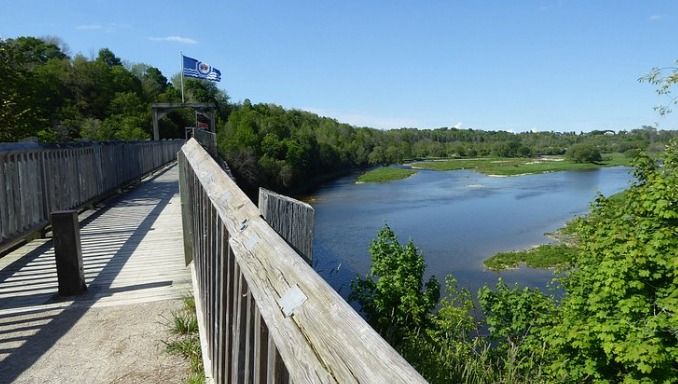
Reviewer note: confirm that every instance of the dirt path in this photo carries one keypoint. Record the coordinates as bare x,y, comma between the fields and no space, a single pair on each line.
121,344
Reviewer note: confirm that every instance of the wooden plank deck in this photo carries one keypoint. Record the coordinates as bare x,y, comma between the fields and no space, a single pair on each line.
132,254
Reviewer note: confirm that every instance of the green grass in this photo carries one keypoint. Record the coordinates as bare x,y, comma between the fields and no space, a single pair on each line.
185,323
616,159
543,256
385,174
186,340
520,166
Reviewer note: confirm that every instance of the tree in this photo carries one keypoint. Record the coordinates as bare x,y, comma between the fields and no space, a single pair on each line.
618,318
107,57
445,345
583,153
664,79
33,51
518,319
15,113
393,296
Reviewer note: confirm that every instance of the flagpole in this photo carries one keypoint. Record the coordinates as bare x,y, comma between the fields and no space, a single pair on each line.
182,77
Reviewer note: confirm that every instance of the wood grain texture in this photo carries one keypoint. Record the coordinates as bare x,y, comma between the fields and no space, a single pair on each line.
290,218
208,140
323,341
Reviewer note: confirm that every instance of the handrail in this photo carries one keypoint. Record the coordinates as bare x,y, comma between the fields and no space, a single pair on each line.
267,316
208,140
35,181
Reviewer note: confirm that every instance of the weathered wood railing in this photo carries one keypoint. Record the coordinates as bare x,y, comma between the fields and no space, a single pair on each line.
36,181
208,140
291,219
266,315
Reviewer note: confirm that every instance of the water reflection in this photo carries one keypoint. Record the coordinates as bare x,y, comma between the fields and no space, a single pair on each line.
457,218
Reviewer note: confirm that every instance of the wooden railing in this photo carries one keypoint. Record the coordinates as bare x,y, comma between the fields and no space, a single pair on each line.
266,316
208,140
291,219
36,181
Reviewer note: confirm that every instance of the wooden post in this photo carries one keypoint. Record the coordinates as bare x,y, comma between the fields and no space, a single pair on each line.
186,208
156,128
291,219
68,253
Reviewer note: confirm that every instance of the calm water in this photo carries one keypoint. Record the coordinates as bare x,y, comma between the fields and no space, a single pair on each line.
457,218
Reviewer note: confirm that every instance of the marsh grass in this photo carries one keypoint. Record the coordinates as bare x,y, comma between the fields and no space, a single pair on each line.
519,166
385,174
543,256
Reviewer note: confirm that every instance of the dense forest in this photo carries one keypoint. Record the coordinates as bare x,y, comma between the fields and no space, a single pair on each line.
49,95
52,96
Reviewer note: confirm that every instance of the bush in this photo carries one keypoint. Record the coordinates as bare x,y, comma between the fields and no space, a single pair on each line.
584,153
393,297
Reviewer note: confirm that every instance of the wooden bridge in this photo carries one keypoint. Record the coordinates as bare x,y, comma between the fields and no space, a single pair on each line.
265,316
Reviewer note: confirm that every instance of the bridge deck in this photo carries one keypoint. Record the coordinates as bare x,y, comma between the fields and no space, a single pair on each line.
133,261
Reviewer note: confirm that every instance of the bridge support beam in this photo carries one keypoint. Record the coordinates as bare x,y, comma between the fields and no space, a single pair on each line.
68,253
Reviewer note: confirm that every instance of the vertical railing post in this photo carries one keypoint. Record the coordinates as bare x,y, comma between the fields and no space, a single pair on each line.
68,253
186,208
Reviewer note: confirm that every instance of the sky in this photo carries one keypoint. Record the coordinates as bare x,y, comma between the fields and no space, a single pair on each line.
544,65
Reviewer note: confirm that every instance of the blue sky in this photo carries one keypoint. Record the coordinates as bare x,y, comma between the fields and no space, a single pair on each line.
517,66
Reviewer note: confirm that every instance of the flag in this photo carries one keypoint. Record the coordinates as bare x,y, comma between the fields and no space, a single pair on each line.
198,69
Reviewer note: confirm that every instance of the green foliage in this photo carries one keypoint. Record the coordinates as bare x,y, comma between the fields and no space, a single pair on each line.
285,150
444,344
385,174
518,166
393,296
584,153
442,349
542,256
618,320
511,149
517,316
46,93
664,79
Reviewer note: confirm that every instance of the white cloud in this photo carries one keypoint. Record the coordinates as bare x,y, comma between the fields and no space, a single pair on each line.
90,27
108,27
174,39
656,17
457,125
366,120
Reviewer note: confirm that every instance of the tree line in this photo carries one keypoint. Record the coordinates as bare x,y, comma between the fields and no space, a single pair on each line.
281,149
49,94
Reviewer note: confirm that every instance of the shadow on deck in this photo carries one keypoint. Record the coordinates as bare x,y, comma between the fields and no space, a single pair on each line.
33,318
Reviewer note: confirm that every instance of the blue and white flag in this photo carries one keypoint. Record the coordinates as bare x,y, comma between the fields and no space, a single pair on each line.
198,69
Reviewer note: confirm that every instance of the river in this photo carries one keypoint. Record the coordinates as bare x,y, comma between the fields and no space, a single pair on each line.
457,219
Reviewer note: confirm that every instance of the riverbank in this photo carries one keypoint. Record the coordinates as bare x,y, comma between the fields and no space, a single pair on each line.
520,166
385,174
554,255
542,256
